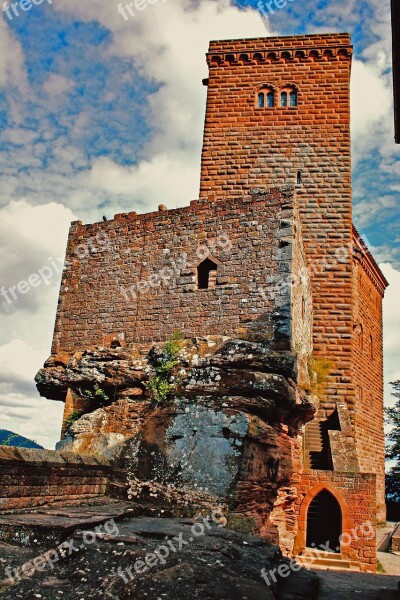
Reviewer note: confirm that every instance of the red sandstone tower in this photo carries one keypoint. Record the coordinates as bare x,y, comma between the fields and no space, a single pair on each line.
278,112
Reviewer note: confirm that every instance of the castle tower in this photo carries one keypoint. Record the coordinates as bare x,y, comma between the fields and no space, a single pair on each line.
278,112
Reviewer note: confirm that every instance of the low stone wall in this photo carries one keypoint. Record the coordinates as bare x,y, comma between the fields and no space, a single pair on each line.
30,478
396,540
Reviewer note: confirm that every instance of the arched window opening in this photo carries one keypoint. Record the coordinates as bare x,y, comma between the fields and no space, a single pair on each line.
289,96
361,338
371,347
206,275
270,100
324,523
265,97
299,179
303,309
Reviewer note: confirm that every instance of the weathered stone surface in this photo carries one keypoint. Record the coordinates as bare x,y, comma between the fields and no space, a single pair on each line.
207,563
225,436
104,431
194,455
52,524
214,365
111,368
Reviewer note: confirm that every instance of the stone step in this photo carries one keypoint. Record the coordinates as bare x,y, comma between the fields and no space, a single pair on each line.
330,561
315,552
326,562
335,566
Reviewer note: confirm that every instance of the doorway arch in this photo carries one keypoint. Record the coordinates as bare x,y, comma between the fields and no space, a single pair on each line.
324,523
347,521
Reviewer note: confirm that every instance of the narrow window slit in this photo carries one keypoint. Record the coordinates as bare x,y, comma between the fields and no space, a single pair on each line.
206,275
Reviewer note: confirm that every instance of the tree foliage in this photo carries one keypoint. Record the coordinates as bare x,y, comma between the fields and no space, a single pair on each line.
8,438
393,446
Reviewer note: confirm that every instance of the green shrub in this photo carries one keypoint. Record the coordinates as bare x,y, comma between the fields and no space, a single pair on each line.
160,385
72,418
96,398
173,344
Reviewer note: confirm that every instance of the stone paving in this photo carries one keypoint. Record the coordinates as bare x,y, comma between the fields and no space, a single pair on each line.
133,537
337,585
365,586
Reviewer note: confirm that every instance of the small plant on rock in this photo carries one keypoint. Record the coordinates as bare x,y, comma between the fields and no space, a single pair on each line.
72,418
319,370
161,385
97,398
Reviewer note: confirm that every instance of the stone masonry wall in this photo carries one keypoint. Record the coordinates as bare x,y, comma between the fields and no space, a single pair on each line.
356,494
32,478
139,284
369,286
246,147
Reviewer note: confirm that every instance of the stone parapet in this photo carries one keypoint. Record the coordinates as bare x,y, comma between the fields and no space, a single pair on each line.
32,478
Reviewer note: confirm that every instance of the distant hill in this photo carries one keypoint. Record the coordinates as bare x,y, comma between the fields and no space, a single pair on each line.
8,438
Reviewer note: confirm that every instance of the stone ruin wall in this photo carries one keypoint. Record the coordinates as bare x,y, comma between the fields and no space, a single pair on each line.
134,278
32,478
228,435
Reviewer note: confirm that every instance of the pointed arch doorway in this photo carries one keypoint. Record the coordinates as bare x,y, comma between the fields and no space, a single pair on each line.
324,522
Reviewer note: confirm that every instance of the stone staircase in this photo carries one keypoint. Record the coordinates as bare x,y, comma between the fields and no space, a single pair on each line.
329,561
316,447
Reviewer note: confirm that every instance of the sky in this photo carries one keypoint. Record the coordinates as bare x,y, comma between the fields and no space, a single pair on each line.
101,114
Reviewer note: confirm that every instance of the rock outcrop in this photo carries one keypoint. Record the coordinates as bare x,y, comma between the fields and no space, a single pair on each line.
229,433
178,558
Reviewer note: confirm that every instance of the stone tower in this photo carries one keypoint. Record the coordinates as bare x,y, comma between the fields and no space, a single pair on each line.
275,405
278,112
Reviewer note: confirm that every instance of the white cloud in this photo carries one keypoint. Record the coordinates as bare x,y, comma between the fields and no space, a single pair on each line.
12,69
57,85
29,237
371,100
167,43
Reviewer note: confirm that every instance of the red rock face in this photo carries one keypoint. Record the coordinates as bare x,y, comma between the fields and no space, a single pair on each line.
224,437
